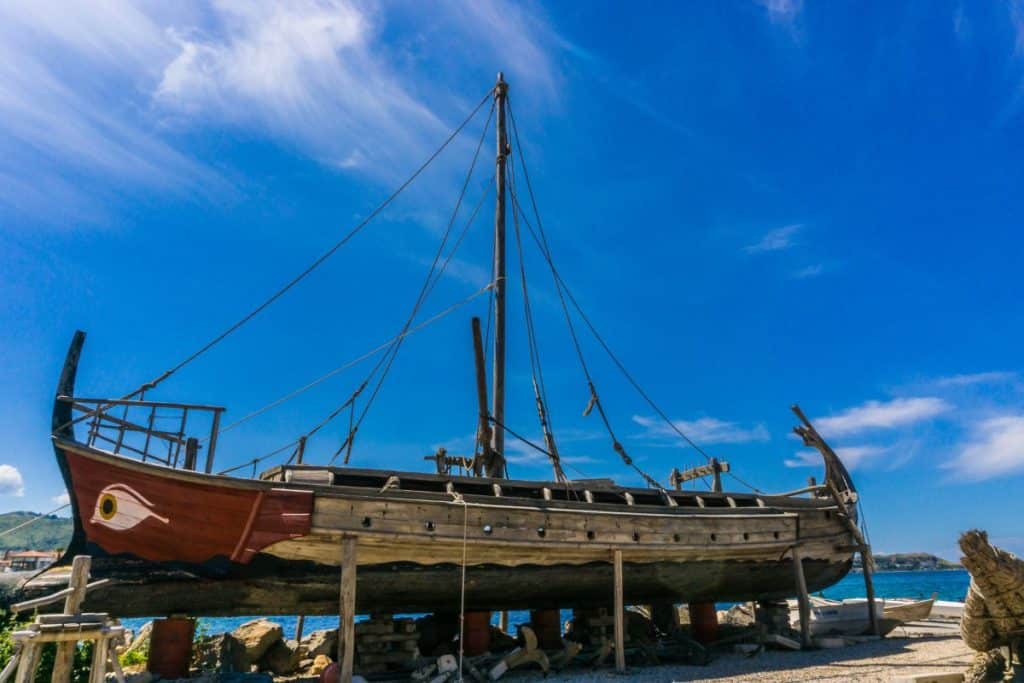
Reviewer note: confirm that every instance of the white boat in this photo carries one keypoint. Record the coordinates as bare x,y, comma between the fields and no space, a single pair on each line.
846,617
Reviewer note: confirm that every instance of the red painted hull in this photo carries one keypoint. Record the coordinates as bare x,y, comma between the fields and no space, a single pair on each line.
170,519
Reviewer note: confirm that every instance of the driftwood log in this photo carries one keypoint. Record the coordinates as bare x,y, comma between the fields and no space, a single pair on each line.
994,609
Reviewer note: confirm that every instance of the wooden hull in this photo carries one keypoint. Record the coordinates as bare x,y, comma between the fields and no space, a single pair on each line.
190,543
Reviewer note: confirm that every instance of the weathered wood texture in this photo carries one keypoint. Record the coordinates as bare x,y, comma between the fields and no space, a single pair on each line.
347,633
620,616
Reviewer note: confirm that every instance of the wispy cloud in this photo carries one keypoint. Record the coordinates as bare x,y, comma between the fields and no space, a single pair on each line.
898,412
853,457
996,377
809,271
11,483
703,430
104,90
782,11
62,499
996,448
775,240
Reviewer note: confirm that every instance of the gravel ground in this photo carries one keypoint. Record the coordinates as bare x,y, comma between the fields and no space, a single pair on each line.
870,661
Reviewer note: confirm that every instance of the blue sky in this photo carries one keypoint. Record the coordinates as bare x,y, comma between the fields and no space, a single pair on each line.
758,203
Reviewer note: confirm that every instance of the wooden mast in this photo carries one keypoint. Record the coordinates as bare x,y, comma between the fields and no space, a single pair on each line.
496,468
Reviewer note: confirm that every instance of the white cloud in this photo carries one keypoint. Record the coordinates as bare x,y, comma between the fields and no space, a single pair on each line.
782,11
704,430
775,240
976,378
69,97
809,271
11,483
996,448
62,499
852,456
99,91
898,412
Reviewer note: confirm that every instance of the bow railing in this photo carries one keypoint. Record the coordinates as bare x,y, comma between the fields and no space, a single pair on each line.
157,431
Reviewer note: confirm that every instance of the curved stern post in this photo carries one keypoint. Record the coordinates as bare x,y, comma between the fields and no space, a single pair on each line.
837,477
62,427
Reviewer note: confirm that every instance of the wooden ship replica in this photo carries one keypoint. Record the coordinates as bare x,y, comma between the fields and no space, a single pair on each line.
177,538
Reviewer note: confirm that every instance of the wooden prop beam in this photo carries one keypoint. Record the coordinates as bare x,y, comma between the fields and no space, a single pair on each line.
620,616
803,599
65,656
347,625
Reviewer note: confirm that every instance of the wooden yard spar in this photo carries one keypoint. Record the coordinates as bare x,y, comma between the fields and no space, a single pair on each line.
181,540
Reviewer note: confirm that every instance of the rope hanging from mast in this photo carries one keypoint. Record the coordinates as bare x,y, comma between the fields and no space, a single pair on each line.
563,294
537,375
316,263
433,277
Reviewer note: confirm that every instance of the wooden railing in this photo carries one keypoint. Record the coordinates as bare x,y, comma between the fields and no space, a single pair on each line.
150,430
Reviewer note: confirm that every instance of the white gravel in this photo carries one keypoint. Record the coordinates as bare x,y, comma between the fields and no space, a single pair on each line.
870,661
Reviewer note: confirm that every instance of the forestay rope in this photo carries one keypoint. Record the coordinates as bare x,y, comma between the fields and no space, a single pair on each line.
319,261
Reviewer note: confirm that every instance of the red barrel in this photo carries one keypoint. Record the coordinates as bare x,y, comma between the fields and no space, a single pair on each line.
547,624
476,633
170,647
703,622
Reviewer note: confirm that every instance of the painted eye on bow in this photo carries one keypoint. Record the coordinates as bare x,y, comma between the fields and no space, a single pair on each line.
121,507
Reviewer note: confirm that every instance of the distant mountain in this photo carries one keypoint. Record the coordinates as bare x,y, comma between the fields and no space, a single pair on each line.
49,533
909,562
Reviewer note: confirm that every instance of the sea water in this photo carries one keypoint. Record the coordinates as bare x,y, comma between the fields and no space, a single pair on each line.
949,584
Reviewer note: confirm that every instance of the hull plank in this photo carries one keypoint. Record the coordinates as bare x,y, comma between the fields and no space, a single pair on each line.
180,542
289,589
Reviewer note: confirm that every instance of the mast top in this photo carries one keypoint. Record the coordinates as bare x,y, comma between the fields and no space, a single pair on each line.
501,87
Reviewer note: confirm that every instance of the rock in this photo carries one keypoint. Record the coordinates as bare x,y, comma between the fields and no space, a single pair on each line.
141,677
140,643
737,615
447,664
281,658
258,636
222,653
323,642
320,662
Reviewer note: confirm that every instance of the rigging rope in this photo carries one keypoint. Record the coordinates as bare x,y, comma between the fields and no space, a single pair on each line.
33,520
542,243
539,389
595,400
486,288
320,260
356,361
388,359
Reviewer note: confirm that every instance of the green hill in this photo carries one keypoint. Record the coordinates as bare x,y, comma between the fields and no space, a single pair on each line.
49,533
909,562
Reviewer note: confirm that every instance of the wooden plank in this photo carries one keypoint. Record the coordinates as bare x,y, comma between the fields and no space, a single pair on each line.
27,665
620,616
347,641
866,564
98,674
802,598
64,659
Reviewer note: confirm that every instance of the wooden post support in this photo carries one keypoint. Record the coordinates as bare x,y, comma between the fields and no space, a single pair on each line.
802,598
300,621
98,674
347,625
64,659
620,616
867,563
503,621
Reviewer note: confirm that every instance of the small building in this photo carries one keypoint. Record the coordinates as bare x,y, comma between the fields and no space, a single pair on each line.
30,560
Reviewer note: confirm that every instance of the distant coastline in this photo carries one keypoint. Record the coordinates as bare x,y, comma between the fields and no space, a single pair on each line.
909,562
